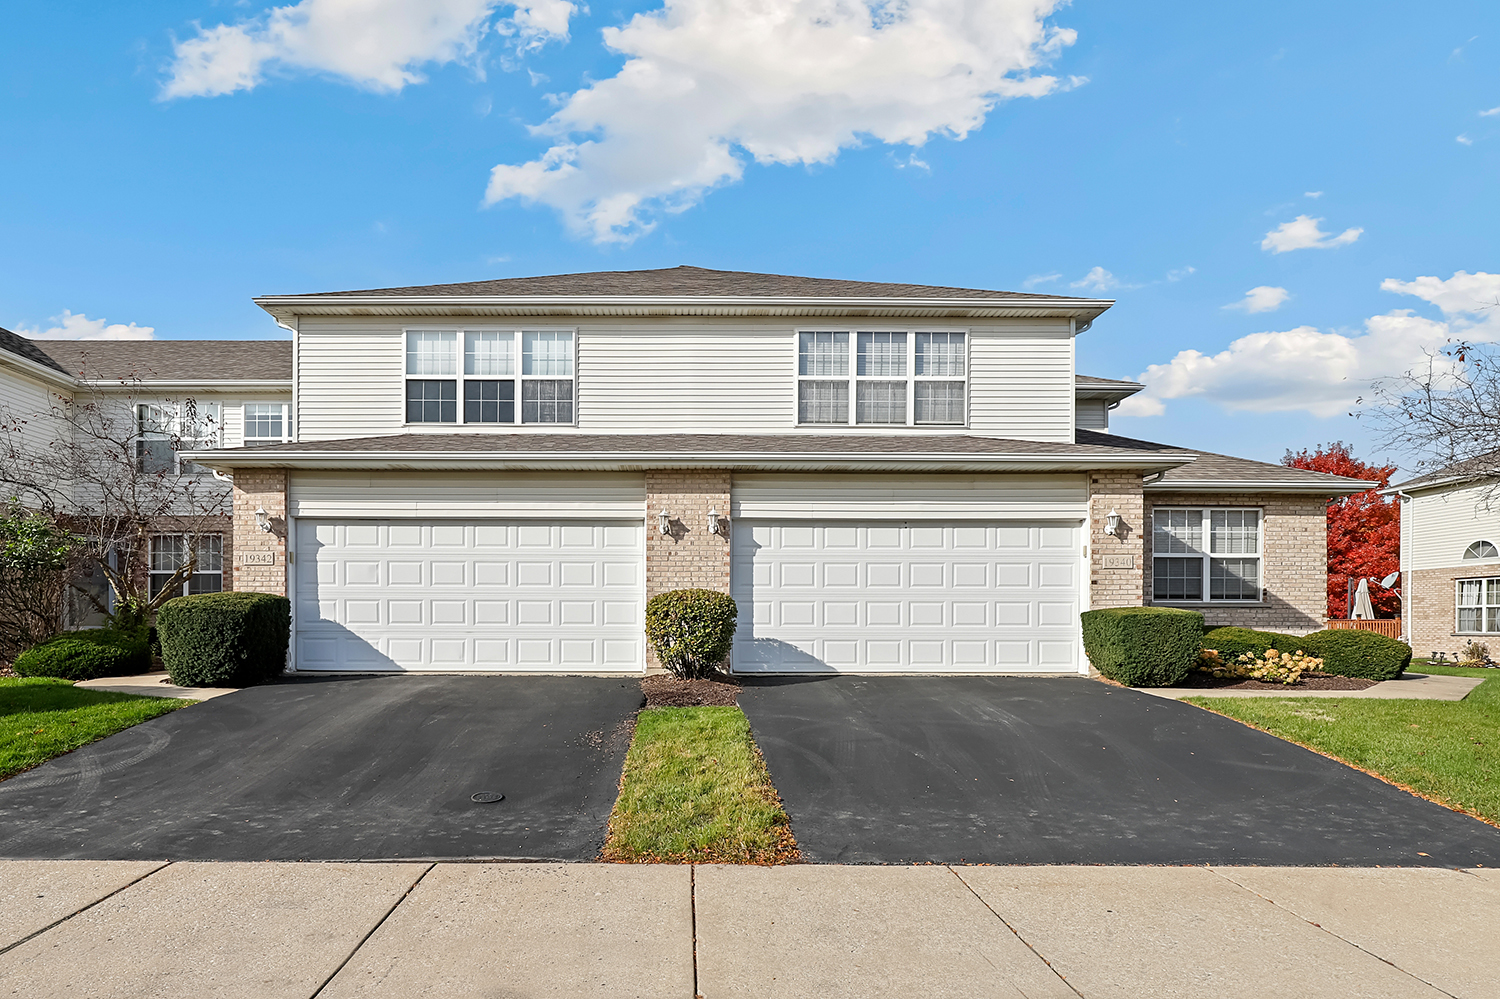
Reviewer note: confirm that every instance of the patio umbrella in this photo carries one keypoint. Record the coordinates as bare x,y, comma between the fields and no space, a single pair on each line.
1363,610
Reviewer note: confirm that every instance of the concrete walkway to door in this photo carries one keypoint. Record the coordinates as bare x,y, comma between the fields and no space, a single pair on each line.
445,931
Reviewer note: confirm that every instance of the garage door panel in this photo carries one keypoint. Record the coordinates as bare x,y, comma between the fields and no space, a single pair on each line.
450,595
906,596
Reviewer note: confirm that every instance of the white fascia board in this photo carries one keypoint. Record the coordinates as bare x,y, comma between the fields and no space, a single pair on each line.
1253,486
1452,480
194,385
226,460
41,372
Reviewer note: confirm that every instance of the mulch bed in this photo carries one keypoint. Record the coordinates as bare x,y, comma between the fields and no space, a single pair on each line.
666,691
1206,682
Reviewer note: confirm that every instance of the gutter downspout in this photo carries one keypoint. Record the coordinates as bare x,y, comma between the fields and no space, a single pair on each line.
1405,515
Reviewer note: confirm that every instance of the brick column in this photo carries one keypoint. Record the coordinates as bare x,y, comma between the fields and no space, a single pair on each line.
689,557
1116,561
259,556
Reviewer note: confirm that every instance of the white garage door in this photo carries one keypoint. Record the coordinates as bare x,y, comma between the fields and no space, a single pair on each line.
469,595
914,596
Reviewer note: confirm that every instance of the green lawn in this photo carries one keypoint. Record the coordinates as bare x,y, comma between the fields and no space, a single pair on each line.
696,790
1448,751
41,718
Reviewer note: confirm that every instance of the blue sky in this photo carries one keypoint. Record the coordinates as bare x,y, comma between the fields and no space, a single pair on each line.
167,161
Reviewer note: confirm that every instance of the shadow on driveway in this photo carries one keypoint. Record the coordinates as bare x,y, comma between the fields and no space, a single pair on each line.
1022,770
341,768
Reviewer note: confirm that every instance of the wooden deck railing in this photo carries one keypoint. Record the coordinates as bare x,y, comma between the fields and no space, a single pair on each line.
1389,627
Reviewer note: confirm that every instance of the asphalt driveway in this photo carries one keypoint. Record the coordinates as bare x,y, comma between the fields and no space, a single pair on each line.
1020,770
346,768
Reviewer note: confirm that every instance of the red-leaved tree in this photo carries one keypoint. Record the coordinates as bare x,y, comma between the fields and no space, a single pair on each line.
1364,530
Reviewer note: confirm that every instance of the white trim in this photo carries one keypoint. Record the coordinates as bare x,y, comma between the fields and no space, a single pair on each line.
1252,486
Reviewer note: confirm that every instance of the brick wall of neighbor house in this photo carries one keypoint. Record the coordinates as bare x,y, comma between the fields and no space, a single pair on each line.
689,557
1431,610
1294,562
259,487
1116,560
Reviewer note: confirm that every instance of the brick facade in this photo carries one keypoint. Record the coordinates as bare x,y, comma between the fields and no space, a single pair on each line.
1111,582
689,557
1294,566
258,488
1431,610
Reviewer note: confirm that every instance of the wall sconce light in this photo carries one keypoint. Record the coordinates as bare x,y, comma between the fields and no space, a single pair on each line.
664,523
1112,523
263,519
715,525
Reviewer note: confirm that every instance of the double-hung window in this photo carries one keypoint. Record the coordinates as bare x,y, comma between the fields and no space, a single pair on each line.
1478,606
169,554
163,429
1205,555
892,377
501,376
267,423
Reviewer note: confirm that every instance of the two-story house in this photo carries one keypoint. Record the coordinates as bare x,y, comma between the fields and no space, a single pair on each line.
496,476
1450,558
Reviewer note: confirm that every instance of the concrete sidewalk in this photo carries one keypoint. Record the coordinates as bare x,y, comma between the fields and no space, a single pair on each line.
125,929
1406,687
153,685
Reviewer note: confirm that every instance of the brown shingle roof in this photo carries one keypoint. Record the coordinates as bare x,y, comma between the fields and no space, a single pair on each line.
1469,470
174,360
14,343
692,282
1223,468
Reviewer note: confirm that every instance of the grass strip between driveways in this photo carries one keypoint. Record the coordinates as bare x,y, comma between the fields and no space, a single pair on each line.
695,789
41,718
1447,751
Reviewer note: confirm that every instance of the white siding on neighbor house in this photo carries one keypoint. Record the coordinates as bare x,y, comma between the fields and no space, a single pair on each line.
1093,414
679,375
23,398
902,497
546,496
1444,523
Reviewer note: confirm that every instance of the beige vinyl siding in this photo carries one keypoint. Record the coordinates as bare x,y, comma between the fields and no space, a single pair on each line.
1093,414
1021,382
904,497
547,496
1444,523
29,401
688,375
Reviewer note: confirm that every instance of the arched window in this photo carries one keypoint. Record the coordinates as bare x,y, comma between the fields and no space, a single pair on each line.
1479,550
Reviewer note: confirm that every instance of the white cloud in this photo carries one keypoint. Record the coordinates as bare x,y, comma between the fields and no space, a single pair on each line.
1262,298
1180,273
1302,233
1463,140
709,85
78,326
1312,194
1097,279
376,44
1490,113
1308,370
1040,279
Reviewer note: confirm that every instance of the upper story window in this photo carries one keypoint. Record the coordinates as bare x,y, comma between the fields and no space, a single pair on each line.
1205,555
882,378
1480,550
163,429
480,368
267,422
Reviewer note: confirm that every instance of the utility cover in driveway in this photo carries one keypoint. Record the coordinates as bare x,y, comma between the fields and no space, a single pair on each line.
1024,770
355,768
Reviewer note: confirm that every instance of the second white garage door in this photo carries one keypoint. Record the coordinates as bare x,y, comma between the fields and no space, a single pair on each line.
915,596
506,596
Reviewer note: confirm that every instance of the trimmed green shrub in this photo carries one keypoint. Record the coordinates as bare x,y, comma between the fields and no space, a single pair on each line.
1143,646
224,639
1231,643
69,658
136,644
691,630
1363,654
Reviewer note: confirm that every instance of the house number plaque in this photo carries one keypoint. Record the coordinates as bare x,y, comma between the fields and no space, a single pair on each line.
257,558
1119,561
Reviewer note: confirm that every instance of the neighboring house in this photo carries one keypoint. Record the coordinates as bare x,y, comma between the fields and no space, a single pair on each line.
1450,558
887,478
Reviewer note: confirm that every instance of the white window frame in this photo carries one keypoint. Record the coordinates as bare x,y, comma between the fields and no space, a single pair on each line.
1483,606
854,378
1207,555
460,379
1480,558
187,539
165,420
286,422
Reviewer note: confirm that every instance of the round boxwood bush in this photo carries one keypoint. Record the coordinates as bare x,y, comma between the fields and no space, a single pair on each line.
224,639
1143,646
1363,654
1231,643
135,643
71,658
691,631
